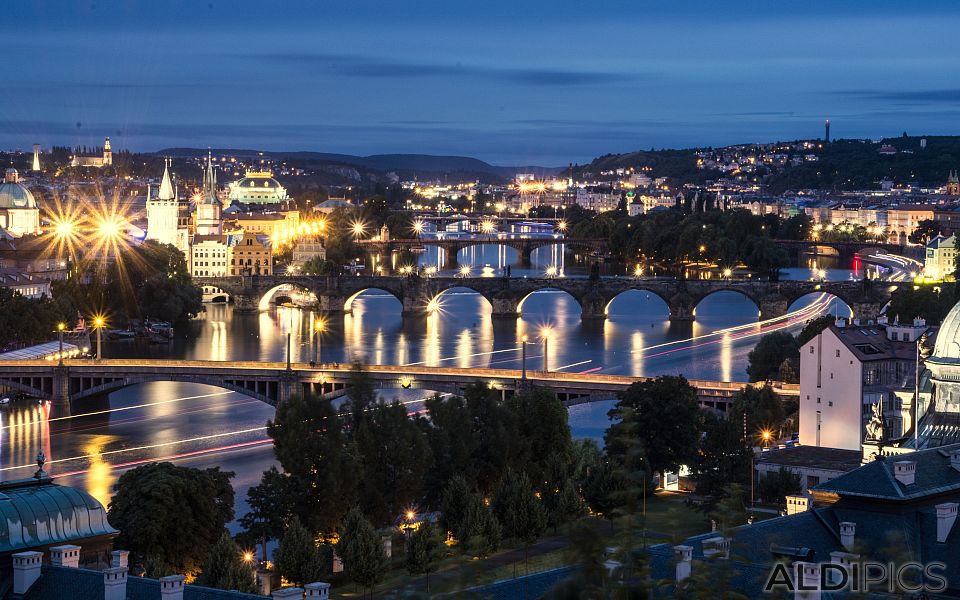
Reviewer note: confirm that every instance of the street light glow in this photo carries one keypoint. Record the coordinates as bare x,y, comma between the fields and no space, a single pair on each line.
319,325
359,228
61,326
487,226
418,226
464,271
545,331
562,225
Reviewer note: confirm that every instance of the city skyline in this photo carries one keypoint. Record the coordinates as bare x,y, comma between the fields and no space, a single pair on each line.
538,84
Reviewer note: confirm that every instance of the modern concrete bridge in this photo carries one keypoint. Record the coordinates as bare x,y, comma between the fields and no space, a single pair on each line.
420,295
274,382
523,244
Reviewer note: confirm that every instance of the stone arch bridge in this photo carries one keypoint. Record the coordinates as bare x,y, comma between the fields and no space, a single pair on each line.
418,294
524,245
275,382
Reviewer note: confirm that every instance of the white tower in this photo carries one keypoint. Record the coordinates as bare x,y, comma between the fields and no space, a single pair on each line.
208,209
107,153
36,157
162,211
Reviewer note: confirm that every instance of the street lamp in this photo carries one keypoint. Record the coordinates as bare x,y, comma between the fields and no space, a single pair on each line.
487,227
98,323
358,229
562,226
418,227
545,334
318,327
464,271
766,435
523,372
727,273
60,329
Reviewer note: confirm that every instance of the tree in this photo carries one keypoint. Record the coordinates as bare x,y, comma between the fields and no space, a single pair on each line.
225,568
665,418
813,328
775,486
271,507
558,493
310,443
174,514
930,302
763,409
601,490
926,230
362,552
449,428
518,509
424,550
541,431
297,558
724,458
480,532
395,457
765,360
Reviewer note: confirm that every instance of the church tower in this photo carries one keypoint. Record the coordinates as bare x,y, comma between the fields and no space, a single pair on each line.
107,153
36,158
162,210
208,209
953,184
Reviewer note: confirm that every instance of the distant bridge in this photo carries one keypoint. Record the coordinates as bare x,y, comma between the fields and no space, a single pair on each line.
275,382
419,295
843,248
523,244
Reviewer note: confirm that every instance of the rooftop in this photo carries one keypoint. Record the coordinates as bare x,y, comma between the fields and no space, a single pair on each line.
833,459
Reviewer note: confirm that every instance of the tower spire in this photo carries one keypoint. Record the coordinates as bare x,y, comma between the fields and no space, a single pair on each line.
166,188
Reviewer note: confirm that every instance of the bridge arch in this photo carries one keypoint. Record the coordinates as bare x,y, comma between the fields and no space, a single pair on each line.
550,289
348,302
757,302
264,391
650,295
816,304
269,295
466,286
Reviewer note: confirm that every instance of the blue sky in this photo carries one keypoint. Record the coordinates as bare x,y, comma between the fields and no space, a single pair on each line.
511,82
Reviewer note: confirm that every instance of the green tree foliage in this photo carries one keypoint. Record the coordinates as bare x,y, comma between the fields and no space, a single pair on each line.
318,266
813,328
763,408
518,509
773,487
361,549
926,230
465,514
541,428
272,504
665,418
767,357
559,492
930,302
225,568
602,488
25,321
312,446
424,550
297,558
724,457
174,514
395,457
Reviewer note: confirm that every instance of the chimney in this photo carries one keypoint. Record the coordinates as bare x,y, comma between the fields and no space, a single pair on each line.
882,320
946,516
337,563
318,590
118,558
26,570
919,322
840,323
684,556
955,459
797,504
264,582
847,532
844,560
856,322
905,471
67,555
115,583
288,593
171,587
808,581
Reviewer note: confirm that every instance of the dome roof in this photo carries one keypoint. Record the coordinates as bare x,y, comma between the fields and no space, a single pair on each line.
257,188
947,348
258,182
16,195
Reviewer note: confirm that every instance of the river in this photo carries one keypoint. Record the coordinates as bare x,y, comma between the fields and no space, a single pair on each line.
203,426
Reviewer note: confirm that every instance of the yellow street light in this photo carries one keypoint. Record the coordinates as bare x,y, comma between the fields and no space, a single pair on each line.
359,228
551,271
464,271
411,515
418,226
727,272
562,225
487,227
247,556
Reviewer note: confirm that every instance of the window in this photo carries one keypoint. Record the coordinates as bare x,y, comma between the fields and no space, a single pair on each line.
830,403
812,481
811,349
838,353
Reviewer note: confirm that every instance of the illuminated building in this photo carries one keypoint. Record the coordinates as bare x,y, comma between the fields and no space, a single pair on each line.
941,257
258,187
307,248
19,214
281,227
94,161
208,207
163,211
953,184
36,158
252,255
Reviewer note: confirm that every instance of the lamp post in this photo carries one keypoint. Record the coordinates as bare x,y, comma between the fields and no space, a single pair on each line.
98,323
523,373
318,325
60,329
288,352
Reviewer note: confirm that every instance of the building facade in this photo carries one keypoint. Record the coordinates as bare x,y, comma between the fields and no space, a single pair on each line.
163,211
258,187
251,255
19,214
104,160
940,259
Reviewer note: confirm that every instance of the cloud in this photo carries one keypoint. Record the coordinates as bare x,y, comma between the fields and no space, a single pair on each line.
377,68
940,96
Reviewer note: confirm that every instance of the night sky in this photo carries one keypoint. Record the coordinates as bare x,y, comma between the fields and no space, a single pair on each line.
511,82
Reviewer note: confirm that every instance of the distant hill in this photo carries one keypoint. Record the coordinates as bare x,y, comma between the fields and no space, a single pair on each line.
401,163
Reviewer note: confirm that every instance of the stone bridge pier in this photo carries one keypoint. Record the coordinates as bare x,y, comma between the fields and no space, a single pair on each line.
773,306
450,256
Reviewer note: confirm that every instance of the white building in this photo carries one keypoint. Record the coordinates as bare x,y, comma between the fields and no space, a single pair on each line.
599,201
209,257
19,214
163,211
846,371
941,257
258,187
